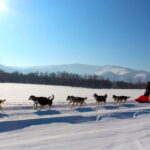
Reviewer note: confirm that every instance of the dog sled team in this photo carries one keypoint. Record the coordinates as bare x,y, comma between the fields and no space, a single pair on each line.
79,101
76,101
72,100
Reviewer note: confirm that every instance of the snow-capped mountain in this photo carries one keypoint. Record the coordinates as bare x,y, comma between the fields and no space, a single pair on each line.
114,73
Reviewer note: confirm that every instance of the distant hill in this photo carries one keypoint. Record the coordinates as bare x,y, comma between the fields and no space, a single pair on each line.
114,73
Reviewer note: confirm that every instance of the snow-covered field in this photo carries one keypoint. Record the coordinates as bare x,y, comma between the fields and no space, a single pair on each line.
109,127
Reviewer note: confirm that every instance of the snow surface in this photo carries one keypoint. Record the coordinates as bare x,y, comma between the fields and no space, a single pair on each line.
140,75
113,69
109,127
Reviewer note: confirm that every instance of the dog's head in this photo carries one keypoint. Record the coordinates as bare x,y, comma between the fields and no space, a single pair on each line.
114,96
95,95
2,101
69,98
32,97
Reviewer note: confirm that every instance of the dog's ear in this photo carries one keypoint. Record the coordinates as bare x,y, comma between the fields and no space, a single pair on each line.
94,94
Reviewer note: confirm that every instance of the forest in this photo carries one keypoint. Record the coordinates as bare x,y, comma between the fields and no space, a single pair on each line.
67,79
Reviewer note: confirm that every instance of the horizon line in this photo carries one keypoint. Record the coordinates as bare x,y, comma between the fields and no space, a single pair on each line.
24,67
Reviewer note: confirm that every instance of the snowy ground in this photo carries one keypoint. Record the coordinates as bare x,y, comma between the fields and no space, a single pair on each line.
109,127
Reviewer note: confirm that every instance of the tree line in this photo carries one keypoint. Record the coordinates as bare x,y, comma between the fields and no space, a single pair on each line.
67,79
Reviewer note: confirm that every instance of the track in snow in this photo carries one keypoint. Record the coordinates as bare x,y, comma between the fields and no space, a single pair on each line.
20,116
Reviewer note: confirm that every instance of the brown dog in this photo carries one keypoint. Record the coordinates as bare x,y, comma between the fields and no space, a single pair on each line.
1,102
76,100
120,99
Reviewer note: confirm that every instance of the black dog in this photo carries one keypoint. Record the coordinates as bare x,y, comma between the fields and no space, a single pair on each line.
100,98
42,101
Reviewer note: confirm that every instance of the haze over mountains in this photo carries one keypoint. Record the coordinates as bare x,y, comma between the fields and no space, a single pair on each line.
114,73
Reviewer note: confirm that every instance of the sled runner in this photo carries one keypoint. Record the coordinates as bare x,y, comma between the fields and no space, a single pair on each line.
142,99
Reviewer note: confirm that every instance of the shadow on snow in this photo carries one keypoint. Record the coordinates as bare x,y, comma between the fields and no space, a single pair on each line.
86,109
124,115
19,124
48,112
2,115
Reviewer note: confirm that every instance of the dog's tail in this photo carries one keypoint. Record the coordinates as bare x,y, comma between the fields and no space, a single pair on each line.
51,97
128,97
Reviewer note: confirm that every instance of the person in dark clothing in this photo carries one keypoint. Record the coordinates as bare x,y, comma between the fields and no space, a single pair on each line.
146,97
147,91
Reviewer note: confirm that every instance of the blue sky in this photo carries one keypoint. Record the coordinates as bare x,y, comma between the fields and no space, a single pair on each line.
97,32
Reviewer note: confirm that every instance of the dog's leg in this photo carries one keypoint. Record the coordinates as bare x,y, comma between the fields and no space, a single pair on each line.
77,103
124,101
117,102
41,107
73,104
1,108
104,103
50,106
120,102
96,102
100,102
69,103
81,104
34,107
84,103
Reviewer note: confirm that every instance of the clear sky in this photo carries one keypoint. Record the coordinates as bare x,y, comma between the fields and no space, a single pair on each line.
97,32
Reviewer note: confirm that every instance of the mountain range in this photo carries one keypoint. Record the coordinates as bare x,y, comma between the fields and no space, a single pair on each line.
114,73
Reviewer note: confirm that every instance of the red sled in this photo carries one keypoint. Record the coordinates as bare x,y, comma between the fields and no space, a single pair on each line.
142,99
